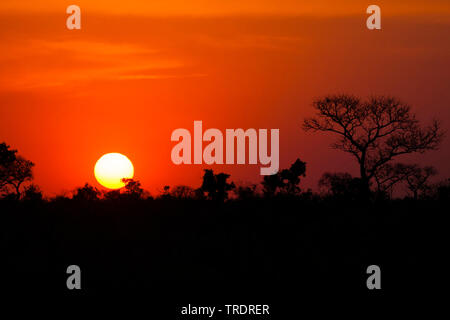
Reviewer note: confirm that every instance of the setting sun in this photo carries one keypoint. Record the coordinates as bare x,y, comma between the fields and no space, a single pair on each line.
111,168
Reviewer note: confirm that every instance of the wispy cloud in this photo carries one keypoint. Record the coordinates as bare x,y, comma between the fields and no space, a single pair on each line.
160,76
54,63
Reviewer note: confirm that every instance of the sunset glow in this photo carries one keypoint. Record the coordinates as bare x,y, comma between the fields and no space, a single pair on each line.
150,68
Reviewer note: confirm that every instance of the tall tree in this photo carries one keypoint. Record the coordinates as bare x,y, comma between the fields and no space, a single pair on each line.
374,131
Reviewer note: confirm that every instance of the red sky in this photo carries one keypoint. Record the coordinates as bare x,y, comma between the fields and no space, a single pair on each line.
137,71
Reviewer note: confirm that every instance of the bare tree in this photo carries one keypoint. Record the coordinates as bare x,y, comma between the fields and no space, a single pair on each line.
417,181
374,131
391,174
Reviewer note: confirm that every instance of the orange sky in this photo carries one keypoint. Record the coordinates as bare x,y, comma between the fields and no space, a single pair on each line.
138,70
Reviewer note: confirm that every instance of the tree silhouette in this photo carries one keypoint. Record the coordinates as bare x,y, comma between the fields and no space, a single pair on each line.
223,186
291,177
183,192
32,193
14,170
245,192
165,193
133,189
7,156
390,174
417,180
86,193
112,195
441,190
413,175
374,131
340,185
209,183
271,184
216,185
287,181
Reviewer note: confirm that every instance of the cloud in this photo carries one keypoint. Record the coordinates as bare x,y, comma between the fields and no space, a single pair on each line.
160,76
42,63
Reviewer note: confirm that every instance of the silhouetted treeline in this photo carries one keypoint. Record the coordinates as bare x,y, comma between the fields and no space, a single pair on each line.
184,249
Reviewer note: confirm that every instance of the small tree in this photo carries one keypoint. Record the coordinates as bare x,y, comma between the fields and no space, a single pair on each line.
15,170
441,190
222,186
340,184
32,193
133,189
245,192
165,193
183,192
86,193
389,175
216,185
287,181
374,132
291,177
417,181
415,177
271,184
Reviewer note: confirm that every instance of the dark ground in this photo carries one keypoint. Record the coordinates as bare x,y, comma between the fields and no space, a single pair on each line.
255,251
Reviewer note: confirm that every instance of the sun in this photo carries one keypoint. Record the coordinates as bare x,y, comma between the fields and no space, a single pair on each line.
111,168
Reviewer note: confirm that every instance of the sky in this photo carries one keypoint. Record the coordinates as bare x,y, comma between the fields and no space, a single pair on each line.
137,70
